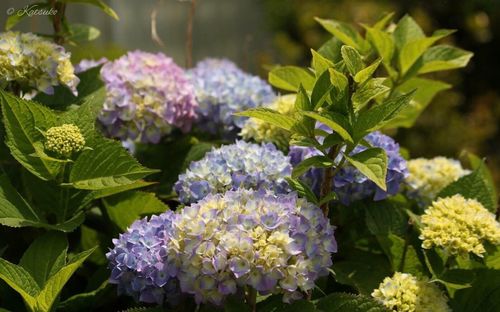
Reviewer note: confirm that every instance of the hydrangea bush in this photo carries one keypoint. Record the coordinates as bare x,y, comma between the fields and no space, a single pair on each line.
315,207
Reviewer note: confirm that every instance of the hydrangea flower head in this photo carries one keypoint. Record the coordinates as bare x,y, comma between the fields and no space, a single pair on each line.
350,184
64,140
223,89
140,263
87,64
405,293
427,177
232,166
147,96
272,243
262,131
36,62
459,225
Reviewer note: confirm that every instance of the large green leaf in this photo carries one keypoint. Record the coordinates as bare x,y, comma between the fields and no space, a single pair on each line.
407,30
352,60
340,302
291,77
372,163
107,165
20,280
383,44
314,161
483,296
475,185
21,119
425,90
380,115
98,3
370,90
271,116
82,32
367,72
340,91
344,32
334,121
45,256
444,57
320,63
125,208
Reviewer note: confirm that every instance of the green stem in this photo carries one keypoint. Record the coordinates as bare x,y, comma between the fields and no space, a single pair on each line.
326,185
57,20
251,299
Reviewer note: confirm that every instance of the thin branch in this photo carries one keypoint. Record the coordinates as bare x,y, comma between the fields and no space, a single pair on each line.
154,33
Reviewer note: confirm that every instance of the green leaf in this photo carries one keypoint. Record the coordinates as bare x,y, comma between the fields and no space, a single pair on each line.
320,63
119,189
18,14
302,102
303,190
383,21
340,91
328,198
48,295
90,238
314,161
367,73
492,259
407,30
444,57
108,165
343,32
321,90
340,302
483,296
352,60
370,90
291,77
413,50
475,186
331,50
425,90
380,115
372,163
271,116
45,256
82,32
20,280
98,3
334,121
86,300
21,119
383,44
125,208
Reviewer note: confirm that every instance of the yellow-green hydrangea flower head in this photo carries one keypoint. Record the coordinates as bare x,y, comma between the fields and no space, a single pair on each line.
35,62
459,226
262,131
429,176
405,293
64,140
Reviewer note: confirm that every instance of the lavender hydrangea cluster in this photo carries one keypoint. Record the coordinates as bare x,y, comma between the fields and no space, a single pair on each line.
350,184
140,263
224,243
223,89
147,96
229,167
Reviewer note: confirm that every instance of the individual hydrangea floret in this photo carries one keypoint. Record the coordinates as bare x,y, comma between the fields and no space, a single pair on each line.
64,140
271,243
403,292
459,225
349,183
262,131
223,89
87,64
140,264
35,62
427,177
147,96
232,166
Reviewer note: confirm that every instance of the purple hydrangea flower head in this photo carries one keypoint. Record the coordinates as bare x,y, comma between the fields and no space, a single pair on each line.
87,64
223,89
229,167
350,184
283,245
140,264
147,96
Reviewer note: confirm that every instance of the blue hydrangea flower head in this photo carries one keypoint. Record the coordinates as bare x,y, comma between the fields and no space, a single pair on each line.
350,184
223,89
140,264
35,62
272,243
147,96
229,167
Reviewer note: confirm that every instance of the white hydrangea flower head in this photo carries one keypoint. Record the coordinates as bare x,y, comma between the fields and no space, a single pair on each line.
459,225
403,292
427,177
64,140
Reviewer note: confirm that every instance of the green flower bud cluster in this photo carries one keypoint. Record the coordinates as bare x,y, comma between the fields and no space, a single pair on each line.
64,140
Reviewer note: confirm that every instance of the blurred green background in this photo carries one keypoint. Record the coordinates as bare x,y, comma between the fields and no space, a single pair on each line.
255,33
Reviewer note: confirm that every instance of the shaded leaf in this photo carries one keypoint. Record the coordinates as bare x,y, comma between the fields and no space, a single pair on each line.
372,163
